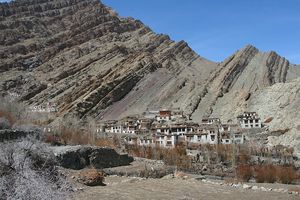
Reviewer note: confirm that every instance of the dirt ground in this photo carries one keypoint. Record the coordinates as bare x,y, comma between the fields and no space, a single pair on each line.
131,188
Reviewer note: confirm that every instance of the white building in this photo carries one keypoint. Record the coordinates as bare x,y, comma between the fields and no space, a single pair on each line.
249,120
211,120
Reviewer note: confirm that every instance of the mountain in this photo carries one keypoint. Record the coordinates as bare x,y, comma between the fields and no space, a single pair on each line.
82,56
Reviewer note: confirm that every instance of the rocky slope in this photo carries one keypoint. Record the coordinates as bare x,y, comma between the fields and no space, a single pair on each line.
82,56
88,60
238,79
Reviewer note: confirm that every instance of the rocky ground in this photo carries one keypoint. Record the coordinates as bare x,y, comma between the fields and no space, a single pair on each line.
179,188
126,183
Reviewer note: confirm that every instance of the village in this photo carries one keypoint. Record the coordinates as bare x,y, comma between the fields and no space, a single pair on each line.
167,128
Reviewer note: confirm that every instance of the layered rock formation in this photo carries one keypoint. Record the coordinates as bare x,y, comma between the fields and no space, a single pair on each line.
80,55
85,58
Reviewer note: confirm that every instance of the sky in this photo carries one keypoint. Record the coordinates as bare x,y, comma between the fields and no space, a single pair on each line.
215,29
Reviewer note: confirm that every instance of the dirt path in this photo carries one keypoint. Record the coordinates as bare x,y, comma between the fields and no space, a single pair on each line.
173,188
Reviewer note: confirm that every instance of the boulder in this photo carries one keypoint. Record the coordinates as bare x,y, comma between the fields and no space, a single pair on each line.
79,157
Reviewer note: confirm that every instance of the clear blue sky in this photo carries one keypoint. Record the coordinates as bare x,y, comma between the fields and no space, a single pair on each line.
217,28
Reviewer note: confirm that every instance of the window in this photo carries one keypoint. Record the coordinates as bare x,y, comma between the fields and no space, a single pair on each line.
212,137
256,121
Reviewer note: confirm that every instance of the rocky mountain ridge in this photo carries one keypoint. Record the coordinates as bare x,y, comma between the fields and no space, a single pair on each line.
82,56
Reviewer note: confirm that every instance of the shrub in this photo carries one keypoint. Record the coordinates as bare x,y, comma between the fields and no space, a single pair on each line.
104,142
28,171
244,172
7,119
244,157
52,139
287,175
92,177
265,173
4,123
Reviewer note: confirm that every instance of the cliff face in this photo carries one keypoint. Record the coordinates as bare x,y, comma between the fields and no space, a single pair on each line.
82,56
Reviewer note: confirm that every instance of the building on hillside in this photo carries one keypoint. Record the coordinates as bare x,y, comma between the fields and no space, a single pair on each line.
131,140
168,135
238,138
210,120
167,141
151,114
144,125
182,128
230,133
164,116
177,115
146,141
113,127
226,138
249,120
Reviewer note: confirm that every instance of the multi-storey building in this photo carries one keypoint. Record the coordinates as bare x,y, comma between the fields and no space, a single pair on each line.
249,120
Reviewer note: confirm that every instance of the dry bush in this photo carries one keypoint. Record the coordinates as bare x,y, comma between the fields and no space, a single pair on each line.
224,152
92,177
171,156
177,157
271,173
8,116
149,153
104,142
265,173
28,171
244,157
180,174
52,139
244,172
287,175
